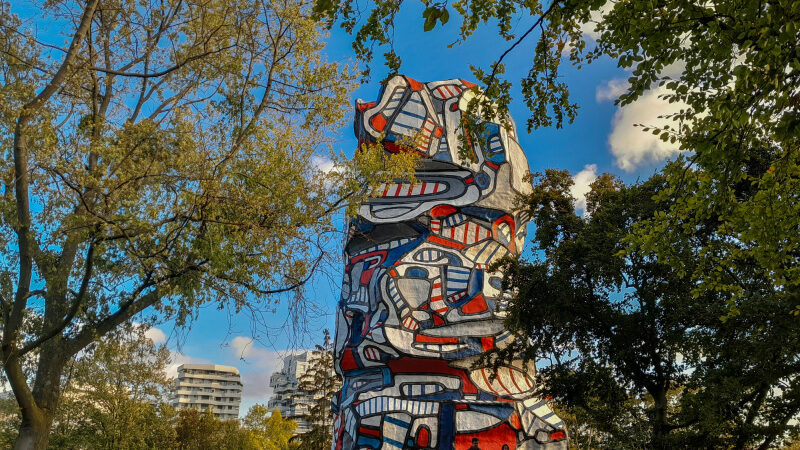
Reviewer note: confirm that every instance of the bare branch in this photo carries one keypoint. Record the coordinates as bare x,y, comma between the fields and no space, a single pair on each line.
74,308
160,73
538,22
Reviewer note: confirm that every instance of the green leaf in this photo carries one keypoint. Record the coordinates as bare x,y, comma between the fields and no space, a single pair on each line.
430,22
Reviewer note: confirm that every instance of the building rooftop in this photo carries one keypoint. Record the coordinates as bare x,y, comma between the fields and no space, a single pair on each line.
214,367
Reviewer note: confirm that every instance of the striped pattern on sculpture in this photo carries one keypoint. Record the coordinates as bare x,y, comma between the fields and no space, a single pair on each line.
418,304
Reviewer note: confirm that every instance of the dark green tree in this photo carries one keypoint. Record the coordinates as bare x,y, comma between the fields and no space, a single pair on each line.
632,348
318,385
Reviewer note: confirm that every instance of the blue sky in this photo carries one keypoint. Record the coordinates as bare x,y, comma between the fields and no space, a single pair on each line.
602,139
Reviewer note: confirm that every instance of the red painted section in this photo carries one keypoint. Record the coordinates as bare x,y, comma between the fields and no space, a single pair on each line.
371,261
391,147
558,435
468,84
415,85
437,132
491,439
476,305
374,432
437,320
515,422
435,340
445,242
487,343
423,437
378,122
366,106
512,246
443,211
461,406
348,360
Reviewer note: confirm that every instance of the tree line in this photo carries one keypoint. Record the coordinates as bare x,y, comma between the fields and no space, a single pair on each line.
116,395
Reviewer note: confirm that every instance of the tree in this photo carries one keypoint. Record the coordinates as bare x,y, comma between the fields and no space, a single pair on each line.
631,348
114,396
199,430
319,384
9,420
160,161
270,431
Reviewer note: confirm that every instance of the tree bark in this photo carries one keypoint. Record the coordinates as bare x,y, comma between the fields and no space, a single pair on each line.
660,428
33,435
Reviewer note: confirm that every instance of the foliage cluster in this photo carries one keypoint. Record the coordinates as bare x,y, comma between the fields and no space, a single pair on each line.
114,398
633,349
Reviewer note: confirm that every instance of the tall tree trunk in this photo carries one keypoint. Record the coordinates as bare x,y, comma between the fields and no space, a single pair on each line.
34,434
660,429
34,431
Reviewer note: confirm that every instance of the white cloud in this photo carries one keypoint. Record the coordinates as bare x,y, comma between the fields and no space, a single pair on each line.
633,147
243,346
325,164
583,180
156,335
596,16
611,90
256,365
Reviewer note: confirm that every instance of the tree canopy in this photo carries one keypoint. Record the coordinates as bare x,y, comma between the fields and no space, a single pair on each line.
628,344
268,429
113,395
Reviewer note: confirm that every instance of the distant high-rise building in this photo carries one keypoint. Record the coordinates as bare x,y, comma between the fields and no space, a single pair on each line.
202,386
285,396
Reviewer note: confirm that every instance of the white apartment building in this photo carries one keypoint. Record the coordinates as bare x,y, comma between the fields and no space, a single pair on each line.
285,396
202,386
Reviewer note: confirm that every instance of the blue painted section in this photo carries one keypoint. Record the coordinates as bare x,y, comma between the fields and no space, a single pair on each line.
447,424
370,442
396,421
483,213
499,411
475,285
417,272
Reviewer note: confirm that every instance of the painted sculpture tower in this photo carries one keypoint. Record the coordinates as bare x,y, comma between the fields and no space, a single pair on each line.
418,304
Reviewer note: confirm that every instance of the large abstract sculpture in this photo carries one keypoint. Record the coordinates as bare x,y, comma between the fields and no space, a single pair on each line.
418,305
